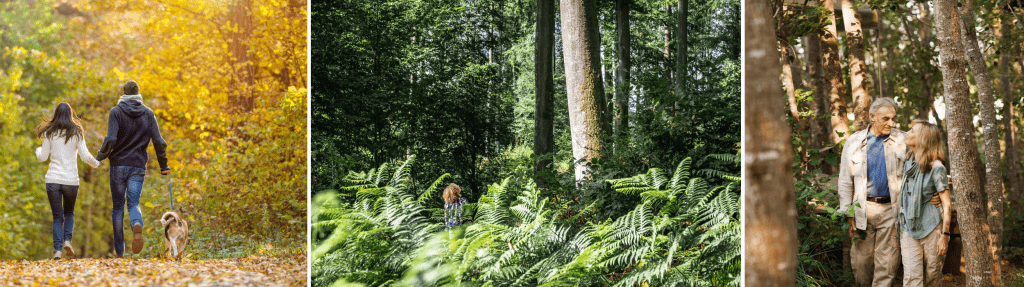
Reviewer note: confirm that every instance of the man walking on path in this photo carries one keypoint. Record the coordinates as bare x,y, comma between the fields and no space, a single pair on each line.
131,127
871,175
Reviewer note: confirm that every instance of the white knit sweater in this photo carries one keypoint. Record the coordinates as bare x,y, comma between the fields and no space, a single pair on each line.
63,159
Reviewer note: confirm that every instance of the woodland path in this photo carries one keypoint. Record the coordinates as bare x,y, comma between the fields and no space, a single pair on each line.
245,271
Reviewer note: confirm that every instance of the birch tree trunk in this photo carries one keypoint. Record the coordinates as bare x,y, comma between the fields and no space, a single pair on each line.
770,213
581,43
855,53
990,133
544,110
963,153
837,96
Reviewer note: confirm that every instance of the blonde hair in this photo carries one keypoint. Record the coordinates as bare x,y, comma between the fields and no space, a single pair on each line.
451,193
928,145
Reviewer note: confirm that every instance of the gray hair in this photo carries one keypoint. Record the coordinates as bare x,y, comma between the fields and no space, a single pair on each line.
880,102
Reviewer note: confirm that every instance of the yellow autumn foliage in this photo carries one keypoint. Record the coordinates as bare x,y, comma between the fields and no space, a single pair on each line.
227,82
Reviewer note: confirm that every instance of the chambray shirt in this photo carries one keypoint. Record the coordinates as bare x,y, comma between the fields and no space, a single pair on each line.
916,216
878,182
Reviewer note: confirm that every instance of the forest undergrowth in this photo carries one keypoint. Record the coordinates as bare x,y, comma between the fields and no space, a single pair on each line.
385,228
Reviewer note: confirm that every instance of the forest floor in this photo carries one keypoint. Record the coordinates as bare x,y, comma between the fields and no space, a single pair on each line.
245,271
1013,275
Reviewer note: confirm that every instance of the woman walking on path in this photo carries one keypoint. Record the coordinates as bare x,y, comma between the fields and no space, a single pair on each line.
924,228
63,140
453,205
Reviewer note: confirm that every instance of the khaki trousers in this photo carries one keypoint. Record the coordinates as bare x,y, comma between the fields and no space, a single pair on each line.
875,258
922,264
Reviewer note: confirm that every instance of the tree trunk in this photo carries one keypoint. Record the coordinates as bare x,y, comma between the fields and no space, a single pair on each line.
820,128
926,77
544,110
668,44
243,74
770,213
682,12
837,97
1006,83
990,133
963,152
794,111
605,100
581,44
787,80
622,81
855,53
886,53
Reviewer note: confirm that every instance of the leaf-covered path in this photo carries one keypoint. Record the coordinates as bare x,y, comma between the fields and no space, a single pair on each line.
246,271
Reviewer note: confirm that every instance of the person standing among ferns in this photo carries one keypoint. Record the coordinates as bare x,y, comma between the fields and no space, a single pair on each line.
453,202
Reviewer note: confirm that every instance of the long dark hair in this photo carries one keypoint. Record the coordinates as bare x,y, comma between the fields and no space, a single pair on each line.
64,123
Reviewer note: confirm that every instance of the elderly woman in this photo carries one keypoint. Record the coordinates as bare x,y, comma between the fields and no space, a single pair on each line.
924,227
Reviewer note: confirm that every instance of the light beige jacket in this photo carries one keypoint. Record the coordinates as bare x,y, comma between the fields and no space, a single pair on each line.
853,171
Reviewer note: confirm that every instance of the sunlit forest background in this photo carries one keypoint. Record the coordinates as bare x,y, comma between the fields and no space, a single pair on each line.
957,64
227,81
411,95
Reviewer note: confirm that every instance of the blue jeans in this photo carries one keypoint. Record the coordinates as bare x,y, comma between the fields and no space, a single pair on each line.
62,205
125,183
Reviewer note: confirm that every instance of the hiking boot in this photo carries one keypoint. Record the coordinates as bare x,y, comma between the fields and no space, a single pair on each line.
137,238
70,251
56,255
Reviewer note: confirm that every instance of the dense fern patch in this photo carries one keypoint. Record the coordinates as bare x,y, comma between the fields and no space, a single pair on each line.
381,229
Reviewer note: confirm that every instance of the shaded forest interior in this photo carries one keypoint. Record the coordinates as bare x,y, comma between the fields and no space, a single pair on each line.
956,64
523,102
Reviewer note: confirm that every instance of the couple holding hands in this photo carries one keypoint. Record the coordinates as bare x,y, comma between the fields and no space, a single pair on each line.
899,182
130,129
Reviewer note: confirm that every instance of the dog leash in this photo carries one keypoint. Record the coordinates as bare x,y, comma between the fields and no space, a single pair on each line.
171,191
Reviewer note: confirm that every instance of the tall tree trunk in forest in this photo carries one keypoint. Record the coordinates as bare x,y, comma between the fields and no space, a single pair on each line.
682,12
794,112
668,45
885,59
770,214
925,97
622,81
926,78
1005,83
581,43
837,96
855,53
788,81
963,152
243,74
604,101
797,70
544,109
820,127
990,134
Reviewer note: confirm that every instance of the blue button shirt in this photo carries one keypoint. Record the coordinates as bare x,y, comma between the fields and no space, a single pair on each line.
878,179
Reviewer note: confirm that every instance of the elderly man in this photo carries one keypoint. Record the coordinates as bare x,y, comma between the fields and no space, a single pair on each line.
870,177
